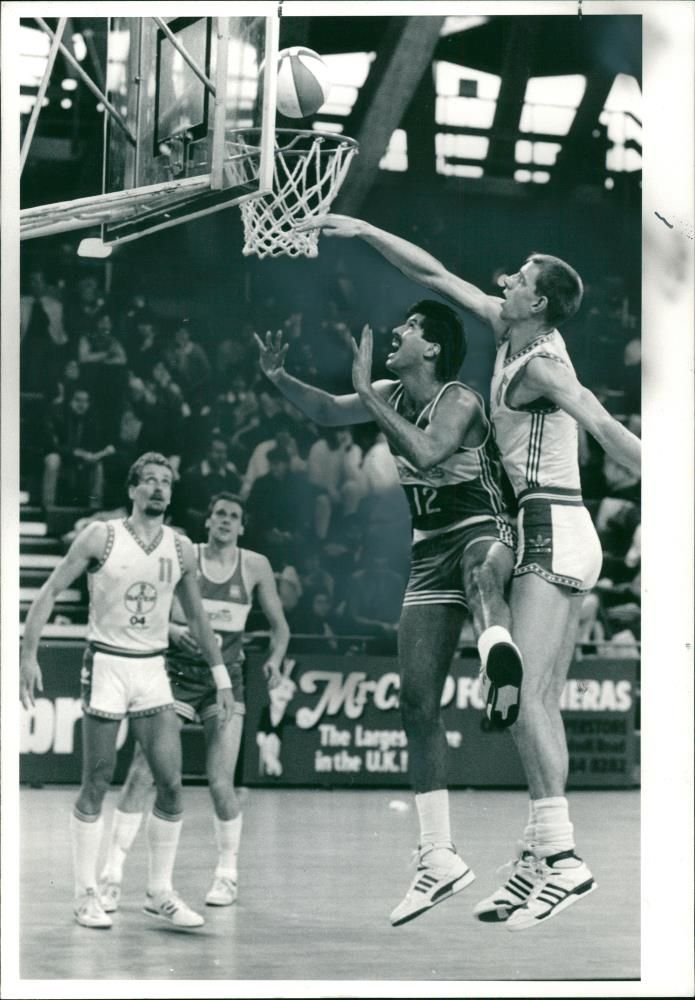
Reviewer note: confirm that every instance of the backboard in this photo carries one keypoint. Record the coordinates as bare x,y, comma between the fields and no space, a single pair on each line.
184,87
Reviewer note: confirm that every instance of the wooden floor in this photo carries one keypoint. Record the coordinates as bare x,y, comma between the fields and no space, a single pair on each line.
320,872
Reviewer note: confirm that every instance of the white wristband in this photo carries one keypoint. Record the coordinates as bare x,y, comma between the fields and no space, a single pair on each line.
221,676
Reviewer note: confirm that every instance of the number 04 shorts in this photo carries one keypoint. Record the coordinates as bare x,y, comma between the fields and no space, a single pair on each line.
114,686
436,575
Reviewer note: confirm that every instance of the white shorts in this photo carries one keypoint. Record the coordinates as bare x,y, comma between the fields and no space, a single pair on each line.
115,686
557,539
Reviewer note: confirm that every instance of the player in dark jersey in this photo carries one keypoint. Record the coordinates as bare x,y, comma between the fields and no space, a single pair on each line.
442,442
227,576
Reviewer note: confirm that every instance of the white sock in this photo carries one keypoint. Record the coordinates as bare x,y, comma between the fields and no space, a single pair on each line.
85,837
162,842
529,835
554,832
228,837
435,827
491,636
124,828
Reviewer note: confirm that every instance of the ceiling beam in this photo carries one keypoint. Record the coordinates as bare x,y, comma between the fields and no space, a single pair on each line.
516,71
586,133
410,59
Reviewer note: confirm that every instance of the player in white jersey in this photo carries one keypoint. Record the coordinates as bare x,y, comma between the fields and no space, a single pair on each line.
228,577
536,402
442,441
137,566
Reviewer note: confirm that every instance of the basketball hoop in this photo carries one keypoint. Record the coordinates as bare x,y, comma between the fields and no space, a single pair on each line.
309,170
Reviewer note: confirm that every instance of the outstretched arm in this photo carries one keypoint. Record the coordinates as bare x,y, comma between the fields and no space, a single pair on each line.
419,266
88,546
320,406
544,377
454,416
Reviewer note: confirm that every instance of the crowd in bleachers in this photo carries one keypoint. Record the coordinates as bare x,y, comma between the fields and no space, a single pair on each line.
103,381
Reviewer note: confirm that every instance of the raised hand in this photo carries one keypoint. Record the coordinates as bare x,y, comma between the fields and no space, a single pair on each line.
272,353
362,361
332,225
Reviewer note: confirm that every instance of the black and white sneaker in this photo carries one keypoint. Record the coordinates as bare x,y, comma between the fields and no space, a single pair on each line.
432,884
500,684
522,879
564,879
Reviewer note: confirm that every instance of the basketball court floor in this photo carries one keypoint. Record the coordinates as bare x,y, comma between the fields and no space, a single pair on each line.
319,874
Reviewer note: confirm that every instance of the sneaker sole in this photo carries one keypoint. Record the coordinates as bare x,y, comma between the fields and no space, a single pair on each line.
498,914
581,892
93,927
178,927
211,902
462,882
505,673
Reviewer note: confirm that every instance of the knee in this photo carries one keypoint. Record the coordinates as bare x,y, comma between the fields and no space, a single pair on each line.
482,579
96,780
417,711
51,463
222,793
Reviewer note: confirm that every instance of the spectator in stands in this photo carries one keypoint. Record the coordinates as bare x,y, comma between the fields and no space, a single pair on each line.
236,356
258,463
43,341
279,512
189,366
334,469
82,310
159,403
202,481
373,598
316,617
313,577
77,451
103,364
144,350
69,379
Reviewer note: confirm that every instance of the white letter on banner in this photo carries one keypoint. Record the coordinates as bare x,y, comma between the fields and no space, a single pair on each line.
382,699
68,711
448,692
336,694
36,727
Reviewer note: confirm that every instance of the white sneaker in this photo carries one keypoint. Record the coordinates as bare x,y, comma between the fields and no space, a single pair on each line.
89,912
169,906
110,895
564,879
432,884
223,892
513,893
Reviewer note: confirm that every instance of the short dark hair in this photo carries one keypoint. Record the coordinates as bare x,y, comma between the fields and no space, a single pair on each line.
149,458
560,284
230,498
442,326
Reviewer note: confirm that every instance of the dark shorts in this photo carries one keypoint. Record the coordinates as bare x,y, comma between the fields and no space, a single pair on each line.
557,539
435,570
195,694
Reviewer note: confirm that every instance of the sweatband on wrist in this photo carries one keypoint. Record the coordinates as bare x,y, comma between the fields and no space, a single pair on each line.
221,676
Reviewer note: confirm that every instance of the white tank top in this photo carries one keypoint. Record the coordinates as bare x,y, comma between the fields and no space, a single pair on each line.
131,591
538,441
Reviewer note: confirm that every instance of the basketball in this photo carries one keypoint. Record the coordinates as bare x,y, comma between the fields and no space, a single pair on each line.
303,82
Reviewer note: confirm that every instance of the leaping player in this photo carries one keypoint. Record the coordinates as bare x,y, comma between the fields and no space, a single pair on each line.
442,441
137,566
228,577
536,402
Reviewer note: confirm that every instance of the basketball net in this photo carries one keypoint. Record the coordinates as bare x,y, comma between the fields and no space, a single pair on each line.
309,170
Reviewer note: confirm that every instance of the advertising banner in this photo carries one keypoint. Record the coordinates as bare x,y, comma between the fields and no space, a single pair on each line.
334,722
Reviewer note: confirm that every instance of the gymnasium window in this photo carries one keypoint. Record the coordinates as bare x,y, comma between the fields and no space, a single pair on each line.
622,117
396,156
